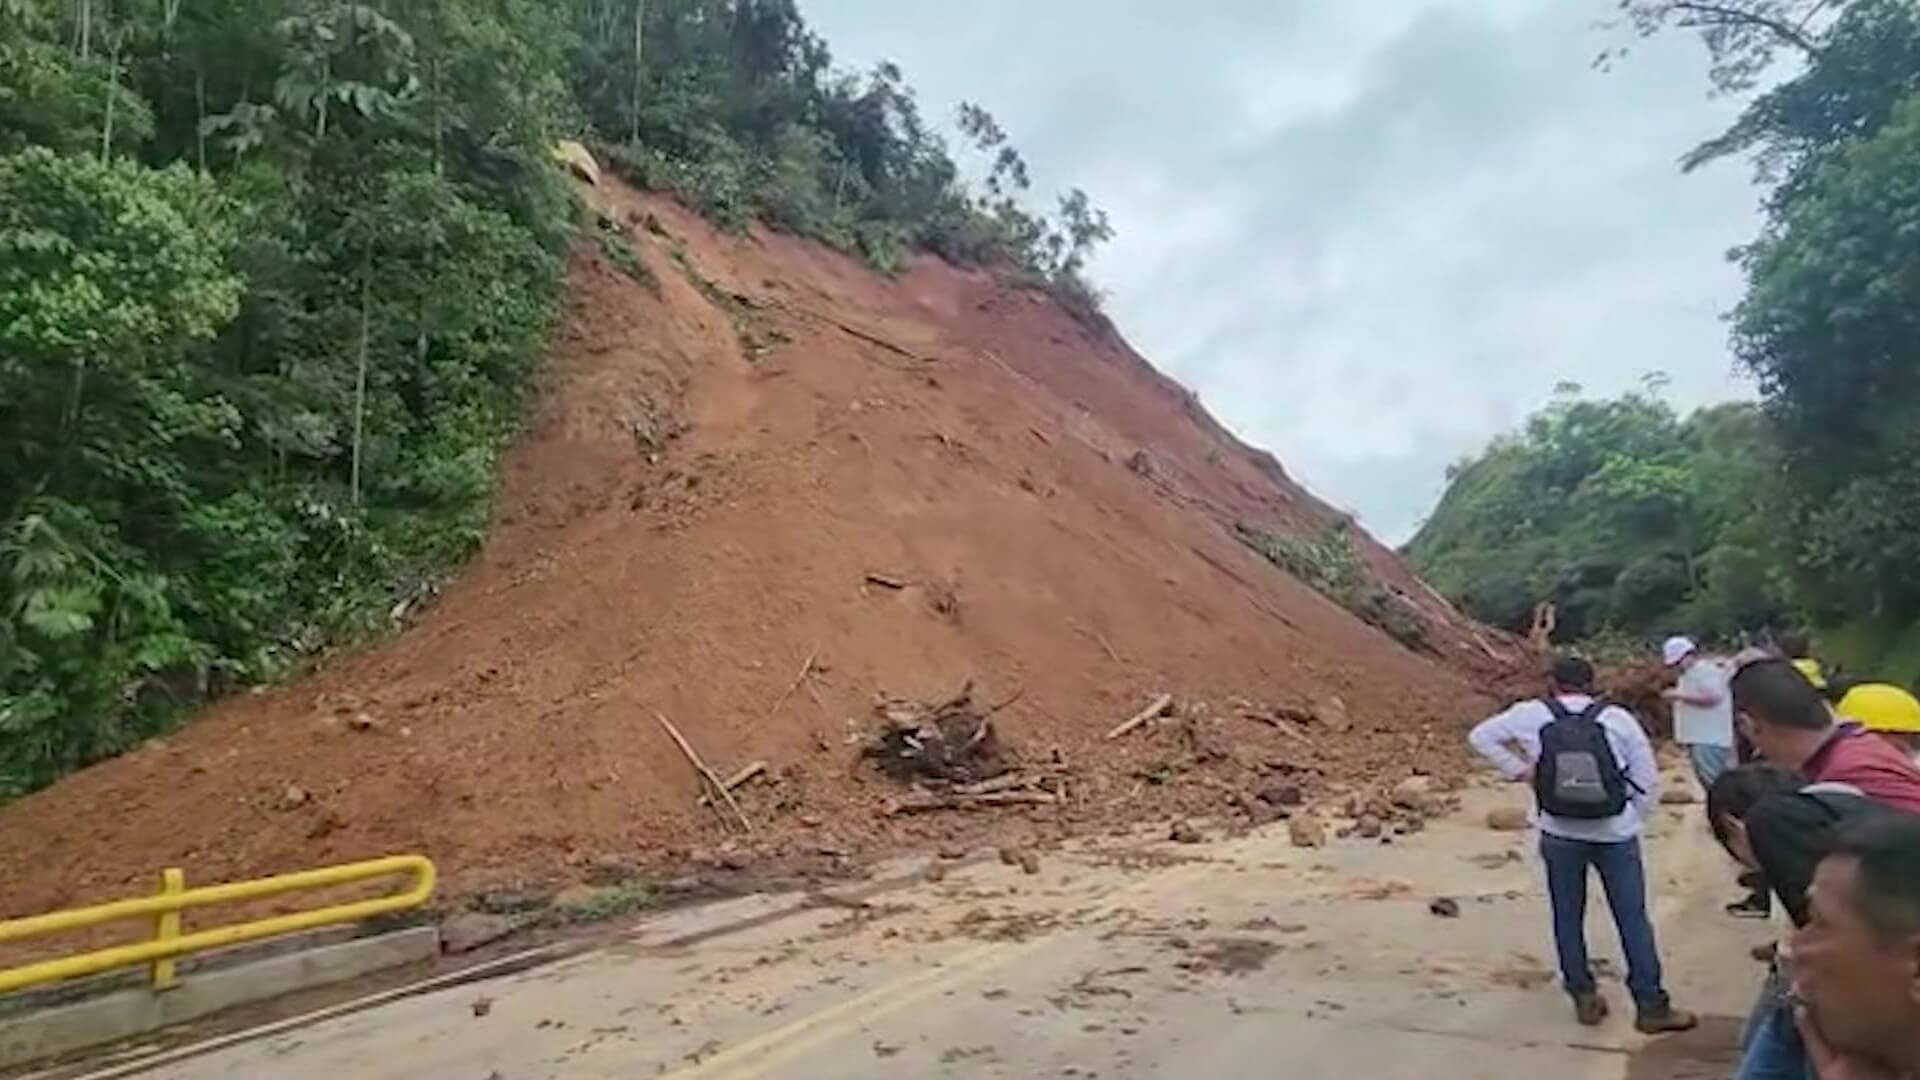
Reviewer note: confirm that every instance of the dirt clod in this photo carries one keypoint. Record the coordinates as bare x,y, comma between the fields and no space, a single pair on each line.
1509,819
1368,827
1029,863
1307,831
1445,907
1184,832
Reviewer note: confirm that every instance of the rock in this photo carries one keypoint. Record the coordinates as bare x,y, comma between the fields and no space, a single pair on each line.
1282,793
1368,826
1010,856
1509,819
608,870
1307,831
1332,714
1415,793
1445,907
1677,796
1029,863
734,860
295,797
469,930
1209,739
363,721
812,821
578,899
577,160
1183,832
935,872
953,852
482,1006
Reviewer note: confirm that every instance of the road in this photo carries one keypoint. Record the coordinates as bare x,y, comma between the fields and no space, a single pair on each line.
1123,958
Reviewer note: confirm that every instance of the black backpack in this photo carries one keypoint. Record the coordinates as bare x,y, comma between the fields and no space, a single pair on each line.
1578,775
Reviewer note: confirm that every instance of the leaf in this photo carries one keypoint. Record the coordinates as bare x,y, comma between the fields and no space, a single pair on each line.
61,612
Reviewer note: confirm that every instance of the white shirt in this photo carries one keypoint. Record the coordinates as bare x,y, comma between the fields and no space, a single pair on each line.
1704,725
1520,726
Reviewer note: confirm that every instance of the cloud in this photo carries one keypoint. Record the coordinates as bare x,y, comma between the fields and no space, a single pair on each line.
1369,236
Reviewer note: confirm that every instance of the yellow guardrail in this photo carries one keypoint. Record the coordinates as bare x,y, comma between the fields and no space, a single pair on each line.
165,906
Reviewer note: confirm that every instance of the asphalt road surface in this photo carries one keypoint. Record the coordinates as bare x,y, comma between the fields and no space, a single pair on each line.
1122,958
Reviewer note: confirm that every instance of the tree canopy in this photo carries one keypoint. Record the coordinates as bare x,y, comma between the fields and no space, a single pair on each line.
273,274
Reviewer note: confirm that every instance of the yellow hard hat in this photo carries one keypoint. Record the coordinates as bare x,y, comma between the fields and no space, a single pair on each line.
1882,707
1811,669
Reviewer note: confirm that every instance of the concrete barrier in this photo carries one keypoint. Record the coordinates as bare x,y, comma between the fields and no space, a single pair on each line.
33,1035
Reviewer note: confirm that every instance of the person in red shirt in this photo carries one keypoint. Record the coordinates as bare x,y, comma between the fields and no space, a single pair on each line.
1792,725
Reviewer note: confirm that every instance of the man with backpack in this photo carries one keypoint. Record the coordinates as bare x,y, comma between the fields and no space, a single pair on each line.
1593,777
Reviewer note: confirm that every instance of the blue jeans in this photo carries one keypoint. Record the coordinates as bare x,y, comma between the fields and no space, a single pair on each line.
1709,762
1775,1051
1625,881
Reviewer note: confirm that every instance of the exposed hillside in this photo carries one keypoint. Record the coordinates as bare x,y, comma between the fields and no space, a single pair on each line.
716,467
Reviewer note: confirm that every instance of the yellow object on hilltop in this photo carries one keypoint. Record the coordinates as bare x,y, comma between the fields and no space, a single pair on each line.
1810,667
1882,707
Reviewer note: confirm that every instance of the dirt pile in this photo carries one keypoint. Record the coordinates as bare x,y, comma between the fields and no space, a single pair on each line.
753,457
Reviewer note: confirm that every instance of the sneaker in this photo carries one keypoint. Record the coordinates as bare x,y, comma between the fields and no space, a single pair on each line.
1663,1019
1589,1008
1757,906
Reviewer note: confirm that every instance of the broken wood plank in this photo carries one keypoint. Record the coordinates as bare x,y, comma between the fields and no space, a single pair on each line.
706,773
1159,706
926,803
746,773
1008,782
887,580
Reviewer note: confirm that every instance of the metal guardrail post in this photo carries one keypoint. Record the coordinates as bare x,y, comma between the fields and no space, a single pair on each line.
166,926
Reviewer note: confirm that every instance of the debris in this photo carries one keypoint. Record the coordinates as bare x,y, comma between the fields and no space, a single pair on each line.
951,740
1307,831
482,1006
1367,827
1332,714
363,721
706,774
1495,860
1159,706
1183,832
469,930
935,872
294,797
1445,907
1414,793
1029,863
806,669
746,773
915,804
577,160
1011,856
952,852
886,581
1677,796
1509,819
1282,793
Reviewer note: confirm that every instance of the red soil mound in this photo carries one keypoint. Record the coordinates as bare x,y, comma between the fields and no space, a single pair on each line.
710,478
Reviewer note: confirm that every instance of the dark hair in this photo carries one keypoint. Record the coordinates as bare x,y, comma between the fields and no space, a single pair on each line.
1887,848
1838,685
1736,792
1571,673
1795,644
1774,692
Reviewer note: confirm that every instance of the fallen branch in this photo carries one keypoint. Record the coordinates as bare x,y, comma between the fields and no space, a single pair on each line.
1009,782
706,774
806,669
927,803
1159,706
1282,726
887,581
747,773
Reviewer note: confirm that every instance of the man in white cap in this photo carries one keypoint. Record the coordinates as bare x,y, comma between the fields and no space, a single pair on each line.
1702,709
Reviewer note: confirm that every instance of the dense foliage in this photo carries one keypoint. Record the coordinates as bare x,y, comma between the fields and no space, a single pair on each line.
1826,506
1626,516
273,274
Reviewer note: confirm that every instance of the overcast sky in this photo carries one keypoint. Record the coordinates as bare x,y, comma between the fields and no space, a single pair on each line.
1371,234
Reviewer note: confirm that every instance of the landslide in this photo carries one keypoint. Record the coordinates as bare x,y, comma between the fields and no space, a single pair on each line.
766,454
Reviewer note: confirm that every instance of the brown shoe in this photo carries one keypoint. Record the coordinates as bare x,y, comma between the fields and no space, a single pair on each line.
1663,1020
1589,1008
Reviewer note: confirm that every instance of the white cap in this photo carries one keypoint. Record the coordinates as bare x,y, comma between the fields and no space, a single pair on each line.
1677,649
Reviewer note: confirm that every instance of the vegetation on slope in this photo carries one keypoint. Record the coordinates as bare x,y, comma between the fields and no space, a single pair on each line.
273,275
1809,509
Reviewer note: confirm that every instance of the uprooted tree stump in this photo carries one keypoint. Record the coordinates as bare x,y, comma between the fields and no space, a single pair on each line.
950,740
